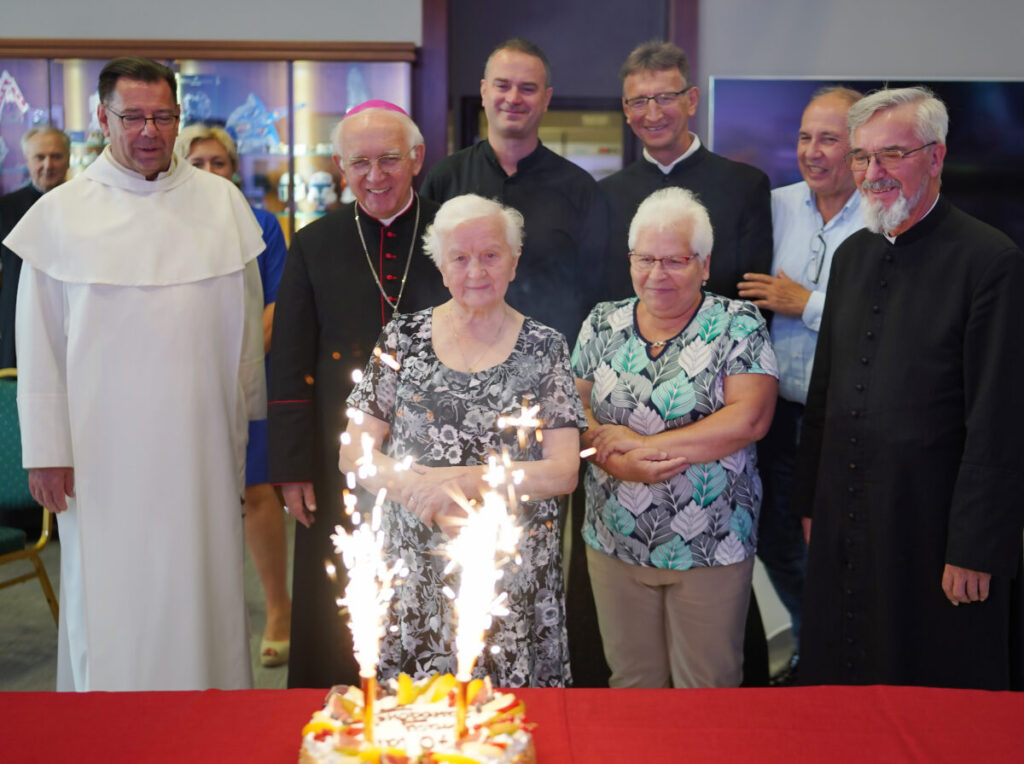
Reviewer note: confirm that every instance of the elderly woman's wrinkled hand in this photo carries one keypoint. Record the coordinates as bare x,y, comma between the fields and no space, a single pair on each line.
611,439
644,465
431,496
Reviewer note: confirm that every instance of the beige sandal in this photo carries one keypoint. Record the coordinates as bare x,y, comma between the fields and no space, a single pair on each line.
274,653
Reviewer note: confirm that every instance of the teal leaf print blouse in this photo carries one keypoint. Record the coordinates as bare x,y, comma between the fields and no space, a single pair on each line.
707,514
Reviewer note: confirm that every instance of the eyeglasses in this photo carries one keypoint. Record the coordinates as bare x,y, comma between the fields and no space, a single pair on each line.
818,250
887,159
137,122
639,103
644,263
387,163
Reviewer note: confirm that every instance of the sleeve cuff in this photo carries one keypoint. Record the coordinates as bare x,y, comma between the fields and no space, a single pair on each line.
812,311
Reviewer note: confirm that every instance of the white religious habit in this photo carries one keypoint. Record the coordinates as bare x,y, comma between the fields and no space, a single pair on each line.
140,351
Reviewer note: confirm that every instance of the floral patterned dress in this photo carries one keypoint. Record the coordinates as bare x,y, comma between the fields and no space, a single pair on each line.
442,417
705,515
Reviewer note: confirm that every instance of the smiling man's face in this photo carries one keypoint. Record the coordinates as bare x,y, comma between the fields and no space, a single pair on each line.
664,130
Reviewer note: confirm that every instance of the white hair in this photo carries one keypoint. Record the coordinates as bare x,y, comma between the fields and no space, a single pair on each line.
461,209
45,130
931,120
413,136
671,207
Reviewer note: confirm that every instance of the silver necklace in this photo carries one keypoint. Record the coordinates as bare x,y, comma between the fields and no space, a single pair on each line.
408,258
488,346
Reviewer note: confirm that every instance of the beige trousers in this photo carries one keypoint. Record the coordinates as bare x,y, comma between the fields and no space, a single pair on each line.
671,628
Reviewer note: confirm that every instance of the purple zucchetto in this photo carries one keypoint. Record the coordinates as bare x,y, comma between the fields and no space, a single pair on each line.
375,103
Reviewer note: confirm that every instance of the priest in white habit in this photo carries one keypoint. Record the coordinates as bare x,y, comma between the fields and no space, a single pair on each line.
140,361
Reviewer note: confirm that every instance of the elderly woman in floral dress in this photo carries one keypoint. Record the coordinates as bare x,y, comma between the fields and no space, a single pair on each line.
678,384
461,366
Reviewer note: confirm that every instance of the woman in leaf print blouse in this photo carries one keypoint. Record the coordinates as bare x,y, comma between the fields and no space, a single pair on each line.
461,366
678,384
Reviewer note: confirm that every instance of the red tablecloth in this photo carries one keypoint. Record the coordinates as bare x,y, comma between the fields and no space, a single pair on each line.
819,724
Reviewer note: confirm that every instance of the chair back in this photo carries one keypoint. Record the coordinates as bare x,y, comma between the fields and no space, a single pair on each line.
14,493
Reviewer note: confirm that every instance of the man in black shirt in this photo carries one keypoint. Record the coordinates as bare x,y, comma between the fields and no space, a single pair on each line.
559,272
658,99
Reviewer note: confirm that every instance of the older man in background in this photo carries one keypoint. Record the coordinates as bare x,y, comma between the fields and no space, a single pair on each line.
347,274
809,220
47,153
140,362
910,459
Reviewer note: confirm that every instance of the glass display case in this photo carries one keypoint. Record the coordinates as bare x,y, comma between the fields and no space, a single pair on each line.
24,104
280,113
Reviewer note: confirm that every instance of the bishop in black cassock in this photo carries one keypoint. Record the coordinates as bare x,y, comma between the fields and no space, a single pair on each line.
346,275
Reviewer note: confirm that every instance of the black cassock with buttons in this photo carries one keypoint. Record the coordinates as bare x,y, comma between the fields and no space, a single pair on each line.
329,314
912,457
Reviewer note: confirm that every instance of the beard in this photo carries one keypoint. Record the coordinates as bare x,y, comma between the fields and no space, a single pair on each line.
879,219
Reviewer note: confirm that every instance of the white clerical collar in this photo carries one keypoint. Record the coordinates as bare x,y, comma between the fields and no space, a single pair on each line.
892,239
667,168
160,176
388,221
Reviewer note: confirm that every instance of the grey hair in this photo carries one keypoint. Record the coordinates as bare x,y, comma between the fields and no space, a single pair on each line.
932,119
674,206
413,136
201,132
656,56
460,209
45,130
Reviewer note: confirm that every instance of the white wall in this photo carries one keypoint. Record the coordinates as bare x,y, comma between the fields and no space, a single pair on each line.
313,20
942,39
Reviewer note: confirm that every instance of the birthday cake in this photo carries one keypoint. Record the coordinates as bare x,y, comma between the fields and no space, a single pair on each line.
415,723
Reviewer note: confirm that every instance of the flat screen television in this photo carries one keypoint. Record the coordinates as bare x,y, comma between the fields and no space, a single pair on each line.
756,120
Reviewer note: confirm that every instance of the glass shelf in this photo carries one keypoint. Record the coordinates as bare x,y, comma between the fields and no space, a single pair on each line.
281,113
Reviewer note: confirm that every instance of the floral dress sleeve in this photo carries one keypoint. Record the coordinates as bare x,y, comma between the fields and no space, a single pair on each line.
560,404
376,392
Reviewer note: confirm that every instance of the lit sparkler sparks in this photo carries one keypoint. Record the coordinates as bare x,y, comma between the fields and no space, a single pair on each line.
526,422
488,538
386,359
369,590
